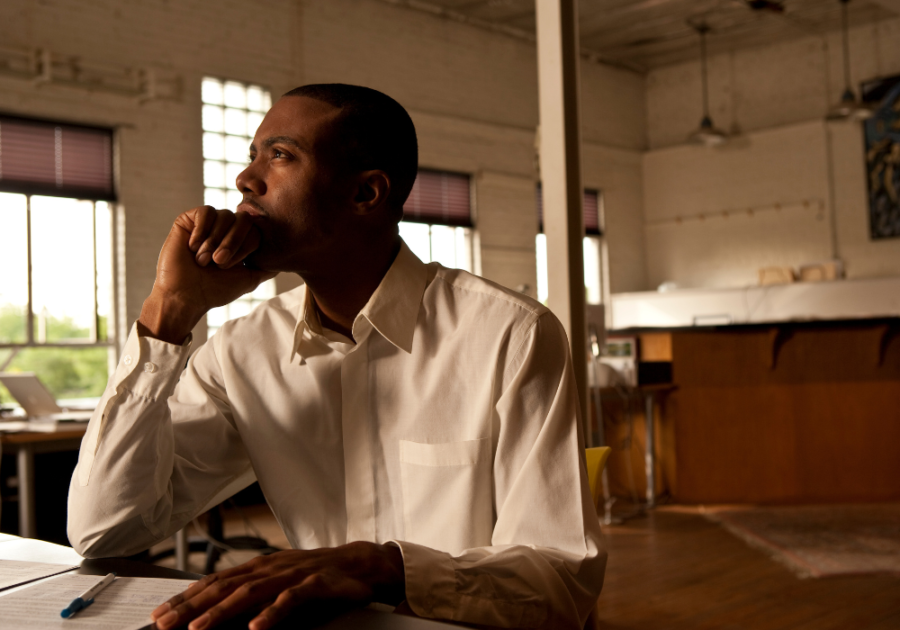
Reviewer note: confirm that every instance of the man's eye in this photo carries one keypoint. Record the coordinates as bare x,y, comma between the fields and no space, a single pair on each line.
278,153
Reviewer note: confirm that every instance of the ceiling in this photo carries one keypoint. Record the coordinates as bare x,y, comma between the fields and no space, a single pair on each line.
646,34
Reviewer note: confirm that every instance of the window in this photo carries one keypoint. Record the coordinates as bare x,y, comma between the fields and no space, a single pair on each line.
56,289
232,111
437,219
593,249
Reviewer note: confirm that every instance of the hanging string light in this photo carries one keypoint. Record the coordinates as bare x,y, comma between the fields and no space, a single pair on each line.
849,107
707,134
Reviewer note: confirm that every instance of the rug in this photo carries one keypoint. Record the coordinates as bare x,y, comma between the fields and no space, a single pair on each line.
820,540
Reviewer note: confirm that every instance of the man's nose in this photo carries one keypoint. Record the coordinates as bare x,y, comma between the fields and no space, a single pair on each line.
251,180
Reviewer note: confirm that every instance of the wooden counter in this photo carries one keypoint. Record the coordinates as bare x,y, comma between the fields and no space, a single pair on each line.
792,412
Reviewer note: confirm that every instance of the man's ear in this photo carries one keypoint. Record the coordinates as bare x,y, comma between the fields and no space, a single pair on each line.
373,190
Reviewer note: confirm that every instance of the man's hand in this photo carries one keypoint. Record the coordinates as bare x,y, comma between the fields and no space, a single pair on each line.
200,268
319,584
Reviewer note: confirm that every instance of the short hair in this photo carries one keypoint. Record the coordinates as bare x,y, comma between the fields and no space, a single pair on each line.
378,132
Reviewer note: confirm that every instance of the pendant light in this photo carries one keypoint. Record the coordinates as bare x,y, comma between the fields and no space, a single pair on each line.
707,135
848,108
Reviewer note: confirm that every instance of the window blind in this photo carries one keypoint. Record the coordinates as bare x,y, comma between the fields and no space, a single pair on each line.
439,197
46,158
591,207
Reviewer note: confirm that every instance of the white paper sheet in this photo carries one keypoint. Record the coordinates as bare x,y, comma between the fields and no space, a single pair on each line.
13,572
123,605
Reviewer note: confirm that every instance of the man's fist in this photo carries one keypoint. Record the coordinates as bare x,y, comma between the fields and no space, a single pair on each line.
200,268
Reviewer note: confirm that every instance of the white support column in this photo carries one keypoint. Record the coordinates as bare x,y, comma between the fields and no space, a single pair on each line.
560,161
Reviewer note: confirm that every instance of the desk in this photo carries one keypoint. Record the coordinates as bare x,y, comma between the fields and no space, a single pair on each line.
25,445
15,548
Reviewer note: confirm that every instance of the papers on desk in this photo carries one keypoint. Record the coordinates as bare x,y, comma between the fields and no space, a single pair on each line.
15,572
125,604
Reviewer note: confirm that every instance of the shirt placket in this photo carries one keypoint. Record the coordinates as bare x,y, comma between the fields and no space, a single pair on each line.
358,471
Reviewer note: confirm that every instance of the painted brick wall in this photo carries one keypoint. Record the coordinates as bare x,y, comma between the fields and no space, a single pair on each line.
774,99
472,94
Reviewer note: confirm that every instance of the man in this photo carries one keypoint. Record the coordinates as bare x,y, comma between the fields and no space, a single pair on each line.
414,428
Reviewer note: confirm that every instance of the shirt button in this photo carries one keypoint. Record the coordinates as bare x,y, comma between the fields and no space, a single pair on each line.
127,360
149,368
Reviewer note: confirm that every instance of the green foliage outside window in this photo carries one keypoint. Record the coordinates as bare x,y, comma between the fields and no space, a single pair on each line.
67,372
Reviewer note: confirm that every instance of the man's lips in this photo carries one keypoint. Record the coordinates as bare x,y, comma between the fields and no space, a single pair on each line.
252,208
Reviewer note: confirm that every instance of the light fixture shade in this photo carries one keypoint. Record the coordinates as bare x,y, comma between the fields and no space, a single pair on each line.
708,135
849,108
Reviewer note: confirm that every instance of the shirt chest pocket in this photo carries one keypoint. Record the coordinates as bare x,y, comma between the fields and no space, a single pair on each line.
447,494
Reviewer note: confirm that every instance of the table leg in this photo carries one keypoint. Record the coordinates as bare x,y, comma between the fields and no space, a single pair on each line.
650,456
25,472
181,549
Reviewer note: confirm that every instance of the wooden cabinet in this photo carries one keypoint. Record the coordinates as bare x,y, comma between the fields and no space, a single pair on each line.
794,412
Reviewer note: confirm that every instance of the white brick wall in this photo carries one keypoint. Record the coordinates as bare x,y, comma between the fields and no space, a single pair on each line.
775,98
472,94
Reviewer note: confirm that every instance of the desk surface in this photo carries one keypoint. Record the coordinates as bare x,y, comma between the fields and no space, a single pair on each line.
30,437
15,548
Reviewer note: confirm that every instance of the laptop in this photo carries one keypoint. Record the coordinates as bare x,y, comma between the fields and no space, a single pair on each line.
36,399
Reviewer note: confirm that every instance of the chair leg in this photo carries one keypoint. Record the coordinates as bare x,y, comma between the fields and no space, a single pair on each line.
217,532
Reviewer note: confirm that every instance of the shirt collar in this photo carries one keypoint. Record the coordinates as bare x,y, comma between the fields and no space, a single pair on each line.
392,310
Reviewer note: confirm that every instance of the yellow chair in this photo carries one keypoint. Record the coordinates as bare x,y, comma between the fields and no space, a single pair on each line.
596,461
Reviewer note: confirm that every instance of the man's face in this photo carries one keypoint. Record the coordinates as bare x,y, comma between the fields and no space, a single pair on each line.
295,187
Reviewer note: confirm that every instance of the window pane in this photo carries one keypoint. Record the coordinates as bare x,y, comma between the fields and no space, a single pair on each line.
211,92
233,199
235,95
443,245
213,174
214,197
69,373
592,269
253,121
14,263
417,239
63,294
255,99
104,268
237,149
213,146
231,173
264,291
464,248
213,118
240,307
236,122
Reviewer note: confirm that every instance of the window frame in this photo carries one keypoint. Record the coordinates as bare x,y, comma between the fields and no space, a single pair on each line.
468,224
225,189
94,341
597,234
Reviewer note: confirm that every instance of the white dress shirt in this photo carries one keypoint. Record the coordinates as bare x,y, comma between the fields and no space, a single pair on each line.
450,426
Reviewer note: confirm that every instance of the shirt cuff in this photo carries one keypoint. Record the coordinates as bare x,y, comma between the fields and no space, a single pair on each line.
151,366
430,581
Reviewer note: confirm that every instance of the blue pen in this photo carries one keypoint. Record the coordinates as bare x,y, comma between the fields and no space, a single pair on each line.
87,598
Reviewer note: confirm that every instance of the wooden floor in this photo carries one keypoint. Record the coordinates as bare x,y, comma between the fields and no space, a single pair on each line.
674,569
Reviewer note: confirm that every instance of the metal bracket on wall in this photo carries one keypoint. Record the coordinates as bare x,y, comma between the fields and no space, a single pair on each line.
45,67
889,332
778,337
